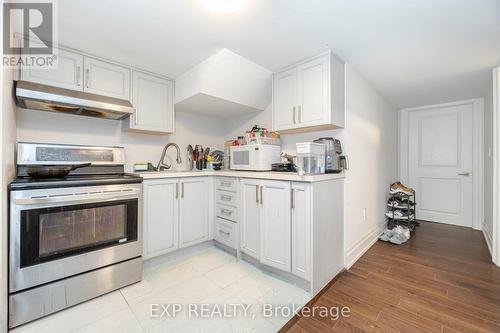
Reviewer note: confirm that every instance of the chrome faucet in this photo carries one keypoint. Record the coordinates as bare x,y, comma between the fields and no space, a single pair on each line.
161,164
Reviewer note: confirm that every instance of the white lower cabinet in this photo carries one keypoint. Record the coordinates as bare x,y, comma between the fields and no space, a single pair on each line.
301,229
225,232
175,214
276,224
161,216
249,217
193,211
275,229
265,222
295,227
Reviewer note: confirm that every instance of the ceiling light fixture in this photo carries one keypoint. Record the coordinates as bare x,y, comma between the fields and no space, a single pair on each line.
223,6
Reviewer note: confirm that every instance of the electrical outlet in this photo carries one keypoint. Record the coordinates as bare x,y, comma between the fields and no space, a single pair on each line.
364,214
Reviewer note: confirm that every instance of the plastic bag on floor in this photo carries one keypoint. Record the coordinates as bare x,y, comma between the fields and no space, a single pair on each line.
397,235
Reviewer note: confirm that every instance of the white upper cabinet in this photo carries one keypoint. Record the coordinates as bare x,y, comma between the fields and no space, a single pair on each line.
285,99
313,92
250,217
193,210
275,228
68,74
310,95
161,211
153,98
104,78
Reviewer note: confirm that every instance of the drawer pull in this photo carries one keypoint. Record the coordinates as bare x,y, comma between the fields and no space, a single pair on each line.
225,184
225,198
224,232
226,212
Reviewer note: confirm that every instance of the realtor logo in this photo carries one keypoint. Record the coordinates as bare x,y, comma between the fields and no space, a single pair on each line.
29,34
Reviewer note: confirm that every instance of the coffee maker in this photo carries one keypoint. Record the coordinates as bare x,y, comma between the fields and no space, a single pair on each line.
335,162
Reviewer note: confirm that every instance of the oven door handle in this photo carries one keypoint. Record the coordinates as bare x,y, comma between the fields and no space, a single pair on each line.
75,198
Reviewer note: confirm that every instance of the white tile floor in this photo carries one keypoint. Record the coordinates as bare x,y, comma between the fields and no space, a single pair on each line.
210,276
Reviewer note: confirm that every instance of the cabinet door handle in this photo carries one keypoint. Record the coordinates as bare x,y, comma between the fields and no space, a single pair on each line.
261,196
78,76
292,198
136,121
299,116
177,190
294,115
182,190
257,193
87,78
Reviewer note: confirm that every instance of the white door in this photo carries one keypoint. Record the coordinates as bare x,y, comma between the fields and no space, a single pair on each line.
285,100
106,79
250,217
193,211
313,92
68,73
440,163
275,225
153,98
161,211
301,230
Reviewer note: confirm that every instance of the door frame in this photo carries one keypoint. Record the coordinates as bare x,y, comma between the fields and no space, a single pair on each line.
496,164
477,158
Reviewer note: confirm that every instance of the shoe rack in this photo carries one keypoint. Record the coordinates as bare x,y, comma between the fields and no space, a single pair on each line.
408,209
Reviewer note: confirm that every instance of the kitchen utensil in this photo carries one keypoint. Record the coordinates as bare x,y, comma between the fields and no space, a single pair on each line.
53,171
190,157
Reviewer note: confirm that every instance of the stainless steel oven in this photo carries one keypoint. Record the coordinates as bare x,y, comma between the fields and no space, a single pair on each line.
71,240
56,233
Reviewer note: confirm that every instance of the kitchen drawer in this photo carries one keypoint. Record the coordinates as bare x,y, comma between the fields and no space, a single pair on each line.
226,212
225,232
226,198
226,184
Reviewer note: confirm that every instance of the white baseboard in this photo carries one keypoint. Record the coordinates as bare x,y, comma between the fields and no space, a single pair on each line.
488,237
357,250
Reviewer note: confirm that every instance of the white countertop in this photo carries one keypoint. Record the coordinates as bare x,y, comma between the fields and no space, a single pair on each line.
290,176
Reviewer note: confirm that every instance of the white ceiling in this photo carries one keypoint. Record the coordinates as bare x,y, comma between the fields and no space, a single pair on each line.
414,52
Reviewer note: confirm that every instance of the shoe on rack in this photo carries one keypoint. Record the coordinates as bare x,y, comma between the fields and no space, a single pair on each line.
397,203
399,215
397,187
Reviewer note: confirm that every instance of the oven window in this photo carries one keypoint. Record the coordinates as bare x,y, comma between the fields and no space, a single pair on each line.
56,232
241,157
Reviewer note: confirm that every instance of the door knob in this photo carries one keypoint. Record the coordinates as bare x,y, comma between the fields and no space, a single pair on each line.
466,174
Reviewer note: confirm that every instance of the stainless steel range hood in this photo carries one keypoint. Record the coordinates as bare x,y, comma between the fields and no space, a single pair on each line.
36,96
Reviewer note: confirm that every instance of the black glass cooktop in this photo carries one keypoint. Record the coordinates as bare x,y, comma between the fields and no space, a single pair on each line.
28,183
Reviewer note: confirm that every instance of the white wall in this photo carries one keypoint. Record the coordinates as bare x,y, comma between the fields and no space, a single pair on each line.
39,126
370,140
488,167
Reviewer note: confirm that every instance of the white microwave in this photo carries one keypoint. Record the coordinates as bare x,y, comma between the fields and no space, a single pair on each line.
254,157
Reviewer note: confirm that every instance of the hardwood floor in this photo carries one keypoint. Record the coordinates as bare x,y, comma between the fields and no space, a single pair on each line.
441,280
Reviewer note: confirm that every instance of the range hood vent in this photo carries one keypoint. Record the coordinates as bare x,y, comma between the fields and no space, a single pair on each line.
42,97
